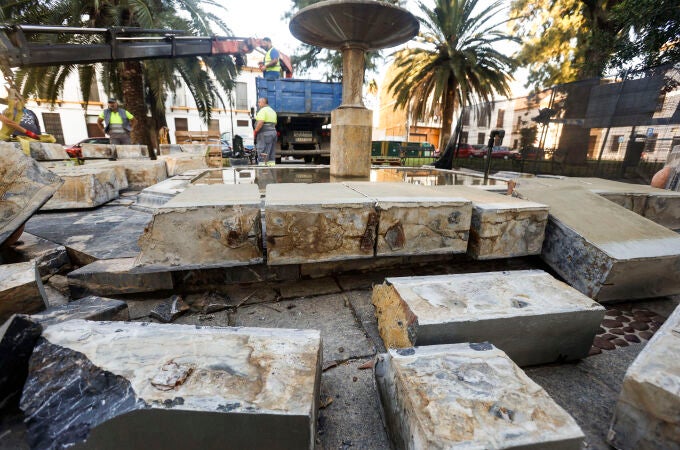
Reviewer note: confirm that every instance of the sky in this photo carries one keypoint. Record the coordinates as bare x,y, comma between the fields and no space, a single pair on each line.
264,18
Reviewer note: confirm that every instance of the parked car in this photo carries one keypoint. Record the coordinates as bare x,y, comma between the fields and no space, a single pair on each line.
499,151
465,151
74,151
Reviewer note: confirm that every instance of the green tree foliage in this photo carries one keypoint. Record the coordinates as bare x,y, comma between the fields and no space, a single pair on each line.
139,84
454,62
650,33
528,136
564,40
308,57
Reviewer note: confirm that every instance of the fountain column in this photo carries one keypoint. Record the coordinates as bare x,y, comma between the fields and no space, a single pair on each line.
353,27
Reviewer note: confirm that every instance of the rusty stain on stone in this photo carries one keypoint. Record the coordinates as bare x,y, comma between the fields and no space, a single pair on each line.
395,237
368,239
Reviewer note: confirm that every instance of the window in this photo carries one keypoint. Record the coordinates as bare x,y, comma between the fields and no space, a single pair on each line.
92,127
242,123
94,91
241,96
214,125
52,123
650,143
466,117
180,96
480,138
615,143
500,118
464,137
181,124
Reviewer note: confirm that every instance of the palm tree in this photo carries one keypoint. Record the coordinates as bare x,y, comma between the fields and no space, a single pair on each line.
454,62
138,83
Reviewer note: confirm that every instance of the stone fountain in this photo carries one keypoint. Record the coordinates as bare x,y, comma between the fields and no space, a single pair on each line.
353,27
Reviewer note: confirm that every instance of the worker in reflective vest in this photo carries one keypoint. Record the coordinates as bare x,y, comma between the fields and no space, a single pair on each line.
116,122
271,66
265,132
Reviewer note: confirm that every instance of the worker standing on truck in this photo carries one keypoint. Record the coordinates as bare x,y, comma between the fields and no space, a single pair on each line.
118,123
271,67
265,131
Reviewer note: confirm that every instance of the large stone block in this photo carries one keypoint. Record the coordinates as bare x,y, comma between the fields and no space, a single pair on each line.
24,188
604,250
118,168
48,256
21,290
468,396
43,151
160,193
415,220
182,387
205,226
318,222
498,307
647,413
98,151
84,188
113,277
132,151
502,226
139,174
195,149
179,163
166,149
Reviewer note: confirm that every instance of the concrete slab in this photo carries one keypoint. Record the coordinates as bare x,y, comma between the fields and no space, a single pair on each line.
140,173
48,256
114,277
179,163
43,151
468,396
229,384
25,188
84,188
21,290
108,232
203,227
415,220
318,222
604,250
502,226
132,152
647,413
498,307
98,151
342,336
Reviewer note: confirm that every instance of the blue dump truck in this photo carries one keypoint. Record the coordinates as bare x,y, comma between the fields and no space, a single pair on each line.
304,110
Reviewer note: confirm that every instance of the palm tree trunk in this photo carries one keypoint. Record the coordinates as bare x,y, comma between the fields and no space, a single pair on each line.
449,101
132,84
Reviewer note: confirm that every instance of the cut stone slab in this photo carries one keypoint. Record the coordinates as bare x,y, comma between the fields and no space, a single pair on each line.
139,174
21,290
84,188
166,149
170,309
229,384
498,307
43,151
502,226
24,188
160,193
647,413
318,222
132,152
415,220
205,226
604,250
114,277
194,149
468,396
98,151
179,163
49,256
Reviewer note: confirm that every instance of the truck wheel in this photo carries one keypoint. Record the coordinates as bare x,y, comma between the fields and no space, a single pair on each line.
308,159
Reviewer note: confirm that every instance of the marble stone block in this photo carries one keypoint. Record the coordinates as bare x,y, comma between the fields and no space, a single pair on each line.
132,151
118,168
182,387
21,290
604,250
308,223
499,307
468,396
647,413
415,220
98,151
24,188
139,174
179,163
84,188
166,149
43,151
502,226
48,256
195,149
160,193
114,277
205,226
